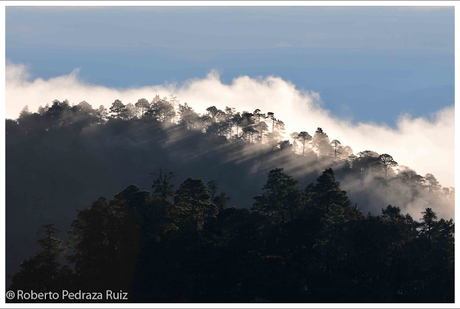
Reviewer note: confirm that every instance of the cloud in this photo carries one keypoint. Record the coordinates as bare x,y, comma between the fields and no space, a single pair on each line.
426,145
283,44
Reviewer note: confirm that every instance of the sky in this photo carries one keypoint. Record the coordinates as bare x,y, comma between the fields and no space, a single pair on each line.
379,78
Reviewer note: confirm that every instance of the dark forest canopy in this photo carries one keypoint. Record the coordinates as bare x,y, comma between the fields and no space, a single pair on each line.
64,156
295,245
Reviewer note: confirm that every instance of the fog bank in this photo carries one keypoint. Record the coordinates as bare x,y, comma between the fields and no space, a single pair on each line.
426,145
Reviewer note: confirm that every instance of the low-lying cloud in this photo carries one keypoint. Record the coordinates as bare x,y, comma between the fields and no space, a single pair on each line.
426,145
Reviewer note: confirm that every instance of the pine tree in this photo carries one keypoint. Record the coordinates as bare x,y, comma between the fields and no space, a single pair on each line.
43,272
192,204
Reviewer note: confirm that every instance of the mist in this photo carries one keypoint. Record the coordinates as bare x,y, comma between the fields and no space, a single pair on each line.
424,144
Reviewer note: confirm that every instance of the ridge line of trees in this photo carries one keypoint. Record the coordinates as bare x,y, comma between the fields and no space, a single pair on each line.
230,125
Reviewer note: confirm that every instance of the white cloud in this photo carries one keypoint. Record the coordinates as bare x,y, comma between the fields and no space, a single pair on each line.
422,144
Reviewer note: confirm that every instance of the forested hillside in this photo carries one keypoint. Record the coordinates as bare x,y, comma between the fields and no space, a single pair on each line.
218,230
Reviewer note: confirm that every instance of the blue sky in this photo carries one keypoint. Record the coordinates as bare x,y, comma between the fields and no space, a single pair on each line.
370,64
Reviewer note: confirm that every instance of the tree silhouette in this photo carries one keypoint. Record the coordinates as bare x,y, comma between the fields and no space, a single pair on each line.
131,111
105,241
162,186
327,192
281,200
271,115
236,120
191,204
117,109
102,114
321,143
24,112
387,162
429,221
431,183
142,105
304,137
261,127
367,160
335,144
43,272
189,117
162,111
292,247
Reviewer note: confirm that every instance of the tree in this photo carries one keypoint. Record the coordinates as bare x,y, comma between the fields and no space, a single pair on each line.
276,135
428,222
105,241
58,114
212,112
82,115
90,243
258,116
293,137
304,137
261,127
334,221
12,128
117,109
391,213
286,144
220,200
387,162
43,272
326,192
162,186
368,154
42,110
271,115
155,99
431,183
281,200
215,121
52,250
162,111
102,114
236,120
321,143
173,100
142,105
24,112
189,117
85,107
279,126
131,111
345,152
367,160
335,144
229,115
249,132
247,122
192,204
247,119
